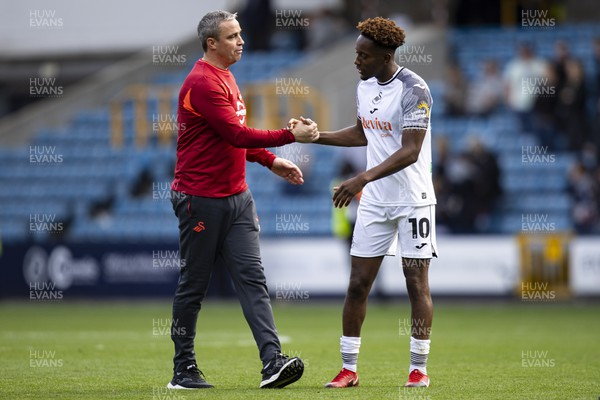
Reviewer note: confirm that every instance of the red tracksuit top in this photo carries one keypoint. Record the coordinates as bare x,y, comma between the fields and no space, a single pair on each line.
213,141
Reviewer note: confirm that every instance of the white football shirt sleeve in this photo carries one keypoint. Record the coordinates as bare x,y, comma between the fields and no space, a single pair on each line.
416,104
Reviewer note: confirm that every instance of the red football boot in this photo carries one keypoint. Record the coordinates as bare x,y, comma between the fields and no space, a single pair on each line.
344,379
417,379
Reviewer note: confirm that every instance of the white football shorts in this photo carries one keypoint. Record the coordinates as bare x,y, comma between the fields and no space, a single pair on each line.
379,229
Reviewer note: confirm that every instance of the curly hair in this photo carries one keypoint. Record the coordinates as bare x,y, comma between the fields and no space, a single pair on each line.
382,31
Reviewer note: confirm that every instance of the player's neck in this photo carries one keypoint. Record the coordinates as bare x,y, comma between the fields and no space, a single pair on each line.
389,72
214,61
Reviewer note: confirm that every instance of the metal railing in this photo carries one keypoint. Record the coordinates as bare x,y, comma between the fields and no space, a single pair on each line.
267,109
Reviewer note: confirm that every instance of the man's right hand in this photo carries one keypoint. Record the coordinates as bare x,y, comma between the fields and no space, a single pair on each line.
304,130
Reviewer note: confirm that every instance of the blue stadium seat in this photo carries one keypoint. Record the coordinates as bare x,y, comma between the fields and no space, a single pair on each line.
93,171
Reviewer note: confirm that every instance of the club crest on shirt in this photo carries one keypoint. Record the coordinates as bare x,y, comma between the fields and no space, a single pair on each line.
241,112
377,98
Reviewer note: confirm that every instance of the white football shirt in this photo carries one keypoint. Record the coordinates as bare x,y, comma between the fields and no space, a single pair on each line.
385,109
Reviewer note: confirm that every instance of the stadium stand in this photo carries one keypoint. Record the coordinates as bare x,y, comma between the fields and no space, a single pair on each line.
528,187
91,195
89,188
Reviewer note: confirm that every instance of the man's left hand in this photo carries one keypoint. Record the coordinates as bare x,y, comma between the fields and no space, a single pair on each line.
344,193
287,170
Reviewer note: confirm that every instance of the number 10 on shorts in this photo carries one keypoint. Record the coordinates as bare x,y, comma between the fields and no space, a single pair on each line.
422,225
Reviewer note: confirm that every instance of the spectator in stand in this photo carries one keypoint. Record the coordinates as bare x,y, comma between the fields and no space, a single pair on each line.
485,94
258,21
561,56
596,113
486,182
455,92
461,205
596,178
589,157
325,25
583,188
468,187
441,185
572,103
597,63
521,78
589,160
546,124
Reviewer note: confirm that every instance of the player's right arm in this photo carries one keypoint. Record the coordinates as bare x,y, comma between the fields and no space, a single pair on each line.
209,100
351,136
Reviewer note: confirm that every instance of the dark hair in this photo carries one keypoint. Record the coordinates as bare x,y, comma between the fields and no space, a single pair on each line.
382,31
209,25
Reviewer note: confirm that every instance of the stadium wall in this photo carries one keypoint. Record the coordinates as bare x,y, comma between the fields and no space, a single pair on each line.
296,269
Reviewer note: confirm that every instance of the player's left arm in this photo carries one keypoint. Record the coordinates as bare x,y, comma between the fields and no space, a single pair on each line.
262,156
412,140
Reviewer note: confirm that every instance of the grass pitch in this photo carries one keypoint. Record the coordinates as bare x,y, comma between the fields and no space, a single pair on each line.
121,350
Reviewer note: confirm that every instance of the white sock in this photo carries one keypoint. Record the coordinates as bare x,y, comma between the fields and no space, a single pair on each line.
349,347
419,350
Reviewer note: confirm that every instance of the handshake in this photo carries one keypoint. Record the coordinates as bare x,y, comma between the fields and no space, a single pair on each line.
304,130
